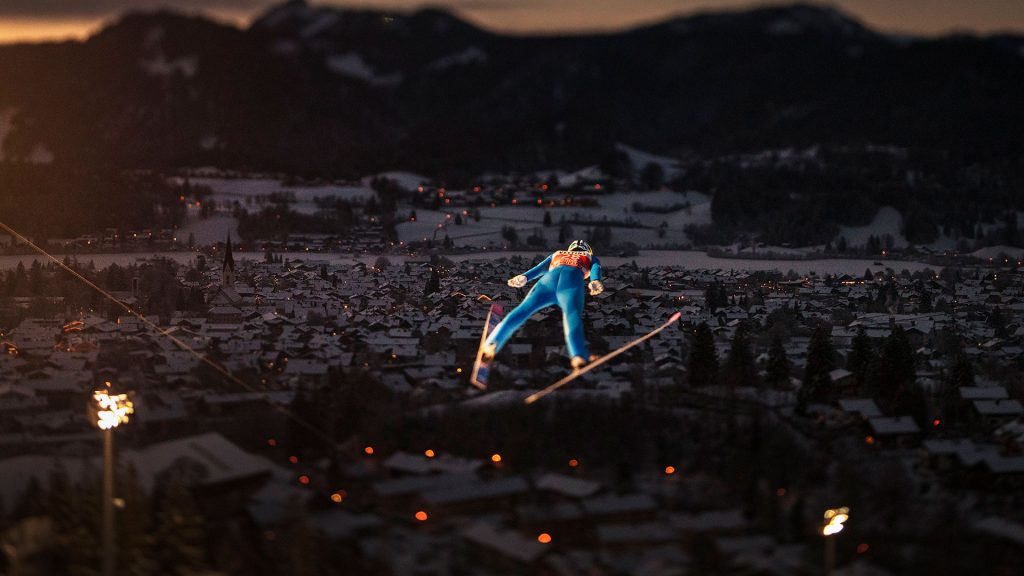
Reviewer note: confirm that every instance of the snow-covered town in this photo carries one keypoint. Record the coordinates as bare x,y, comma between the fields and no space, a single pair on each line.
493,288
336,424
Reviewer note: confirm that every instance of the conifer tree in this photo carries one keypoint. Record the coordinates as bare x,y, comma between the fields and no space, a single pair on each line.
961,374
860,358
778,369
925,305
433,283
702,369
817,382
740,369
894,372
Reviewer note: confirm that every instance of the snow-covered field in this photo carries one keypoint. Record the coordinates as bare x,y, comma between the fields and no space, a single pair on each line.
352,65
210,231
888,220
408,180
639,160
249,191
685,258
529,219
996,251
700,260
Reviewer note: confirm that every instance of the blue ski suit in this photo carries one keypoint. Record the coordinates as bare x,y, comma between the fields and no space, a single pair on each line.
561,283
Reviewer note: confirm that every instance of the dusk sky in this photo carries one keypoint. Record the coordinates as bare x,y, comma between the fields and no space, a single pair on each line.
54,19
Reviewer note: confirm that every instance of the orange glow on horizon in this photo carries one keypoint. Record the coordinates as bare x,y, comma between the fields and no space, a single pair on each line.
569,16
18,30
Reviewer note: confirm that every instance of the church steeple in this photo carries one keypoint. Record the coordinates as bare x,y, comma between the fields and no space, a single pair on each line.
228,273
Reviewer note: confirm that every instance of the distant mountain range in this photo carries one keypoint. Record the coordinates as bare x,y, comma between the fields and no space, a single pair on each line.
337,92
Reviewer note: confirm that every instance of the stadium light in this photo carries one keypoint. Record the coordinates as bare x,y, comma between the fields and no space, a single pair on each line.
108,411
112,410
835,518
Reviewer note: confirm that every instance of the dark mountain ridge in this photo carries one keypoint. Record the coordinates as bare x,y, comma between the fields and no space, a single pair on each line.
333,92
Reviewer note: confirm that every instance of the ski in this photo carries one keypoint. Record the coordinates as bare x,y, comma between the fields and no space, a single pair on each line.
577,373
482,369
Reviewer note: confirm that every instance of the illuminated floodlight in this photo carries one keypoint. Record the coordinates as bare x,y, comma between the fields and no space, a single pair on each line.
834,519
112,410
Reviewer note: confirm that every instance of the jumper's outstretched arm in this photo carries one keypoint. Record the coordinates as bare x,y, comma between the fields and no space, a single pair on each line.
596,285
538,270
595,269
531,274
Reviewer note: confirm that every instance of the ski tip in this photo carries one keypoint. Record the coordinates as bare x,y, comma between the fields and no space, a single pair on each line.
675,317
531,399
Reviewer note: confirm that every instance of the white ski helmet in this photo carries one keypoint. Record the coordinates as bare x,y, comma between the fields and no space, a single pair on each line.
581,246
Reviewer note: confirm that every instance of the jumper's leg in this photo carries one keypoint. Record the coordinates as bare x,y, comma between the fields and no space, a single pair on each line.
540,297
570,300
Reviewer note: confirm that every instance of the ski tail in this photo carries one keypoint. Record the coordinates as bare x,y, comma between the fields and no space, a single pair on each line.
577,373
482,368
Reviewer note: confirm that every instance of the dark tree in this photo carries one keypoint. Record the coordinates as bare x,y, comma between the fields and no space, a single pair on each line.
739,368
778,370
960,374
925,305
715,297
860,358
433,282
653,176
894,374
817,382
998,323
509,233
702,369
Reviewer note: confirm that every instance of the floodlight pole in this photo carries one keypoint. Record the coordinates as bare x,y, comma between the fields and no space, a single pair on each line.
109,411
830,555
834,519
109,556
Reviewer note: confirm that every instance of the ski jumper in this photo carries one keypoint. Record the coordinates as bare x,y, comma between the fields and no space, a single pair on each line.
562,283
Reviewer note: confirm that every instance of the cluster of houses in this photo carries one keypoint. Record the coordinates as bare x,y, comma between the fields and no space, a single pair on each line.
413,328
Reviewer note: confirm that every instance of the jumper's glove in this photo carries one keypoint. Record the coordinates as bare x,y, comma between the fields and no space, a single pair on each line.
518,281
596,287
